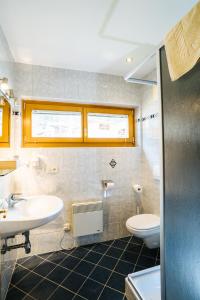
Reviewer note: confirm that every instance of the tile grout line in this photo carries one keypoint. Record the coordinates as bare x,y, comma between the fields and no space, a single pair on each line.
138,257
60,285
42,277
67,255
93,270
46,278
26,294
113,270
90,249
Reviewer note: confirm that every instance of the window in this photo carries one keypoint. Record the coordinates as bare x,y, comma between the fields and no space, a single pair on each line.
108,125
54,124
4,124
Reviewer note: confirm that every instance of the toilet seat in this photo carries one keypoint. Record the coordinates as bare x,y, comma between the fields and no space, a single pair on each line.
143,222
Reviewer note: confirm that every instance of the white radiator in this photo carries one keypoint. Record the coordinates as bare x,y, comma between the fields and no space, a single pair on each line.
87,218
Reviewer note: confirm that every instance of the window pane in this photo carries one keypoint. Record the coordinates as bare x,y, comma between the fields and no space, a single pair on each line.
107,126
58,124
1,121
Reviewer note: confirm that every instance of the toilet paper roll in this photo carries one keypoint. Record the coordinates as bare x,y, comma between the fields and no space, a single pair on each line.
108,184
137,188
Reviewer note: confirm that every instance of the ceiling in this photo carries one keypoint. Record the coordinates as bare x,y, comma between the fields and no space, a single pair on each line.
89,35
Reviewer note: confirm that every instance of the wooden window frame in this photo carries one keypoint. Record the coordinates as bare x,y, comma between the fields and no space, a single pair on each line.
29,141
5,138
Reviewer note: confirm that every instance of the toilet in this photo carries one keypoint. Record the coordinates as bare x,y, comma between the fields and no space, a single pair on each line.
146,227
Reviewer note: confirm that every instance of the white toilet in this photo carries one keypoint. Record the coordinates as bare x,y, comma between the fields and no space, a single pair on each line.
146,227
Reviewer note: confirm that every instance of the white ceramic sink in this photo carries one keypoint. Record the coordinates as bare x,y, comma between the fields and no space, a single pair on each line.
35,211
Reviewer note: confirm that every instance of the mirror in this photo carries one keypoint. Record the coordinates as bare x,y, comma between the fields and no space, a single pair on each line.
7,166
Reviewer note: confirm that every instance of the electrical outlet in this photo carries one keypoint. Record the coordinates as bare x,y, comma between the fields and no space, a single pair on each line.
52,170
67,227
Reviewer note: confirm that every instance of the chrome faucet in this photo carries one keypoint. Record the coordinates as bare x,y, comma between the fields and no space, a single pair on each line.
12,200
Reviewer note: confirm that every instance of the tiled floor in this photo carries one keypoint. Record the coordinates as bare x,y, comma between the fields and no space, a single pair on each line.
89,272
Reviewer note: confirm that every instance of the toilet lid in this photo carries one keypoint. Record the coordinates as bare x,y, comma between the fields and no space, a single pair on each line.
144,222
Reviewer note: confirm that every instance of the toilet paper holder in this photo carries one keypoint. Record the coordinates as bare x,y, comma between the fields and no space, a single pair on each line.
137,188
107,186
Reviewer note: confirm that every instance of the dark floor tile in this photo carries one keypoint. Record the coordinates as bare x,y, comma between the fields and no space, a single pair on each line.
29,282
89,246
109,243
62,294
134,248
84,268
97,264
43,290
93,257
120,244
70,262
149,252
114,252
136,240
80,252
146,261
18,274
91,289
126,239
100,248
117,282
109,294
57,257
28,298
15,294
139,268
124,267
22,260
77,297
108,262
73,282
129,257
44,268
45,255
58,274
100,274
33,262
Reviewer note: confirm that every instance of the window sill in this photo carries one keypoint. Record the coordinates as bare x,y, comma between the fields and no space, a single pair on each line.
66,145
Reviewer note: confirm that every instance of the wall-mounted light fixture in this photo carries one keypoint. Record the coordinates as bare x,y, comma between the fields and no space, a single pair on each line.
6,93
4,83
129,60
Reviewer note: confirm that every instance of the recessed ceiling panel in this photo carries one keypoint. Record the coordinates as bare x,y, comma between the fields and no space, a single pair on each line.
145,21
89,35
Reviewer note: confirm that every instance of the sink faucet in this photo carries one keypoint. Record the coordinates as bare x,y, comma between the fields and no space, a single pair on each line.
12,200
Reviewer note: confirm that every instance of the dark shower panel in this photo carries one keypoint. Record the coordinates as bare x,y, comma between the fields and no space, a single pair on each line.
181,183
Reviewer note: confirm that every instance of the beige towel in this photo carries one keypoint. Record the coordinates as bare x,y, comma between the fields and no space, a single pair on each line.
182,44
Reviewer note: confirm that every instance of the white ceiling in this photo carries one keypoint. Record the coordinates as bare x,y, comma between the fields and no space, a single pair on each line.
90,35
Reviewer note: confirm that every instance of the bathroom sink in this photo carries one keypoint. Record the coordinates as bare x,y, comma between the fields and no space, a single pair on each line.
33,212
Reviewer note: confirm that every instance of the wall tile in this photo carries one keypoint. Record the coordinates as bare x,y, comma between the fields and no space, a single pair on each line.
23,80
40,81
